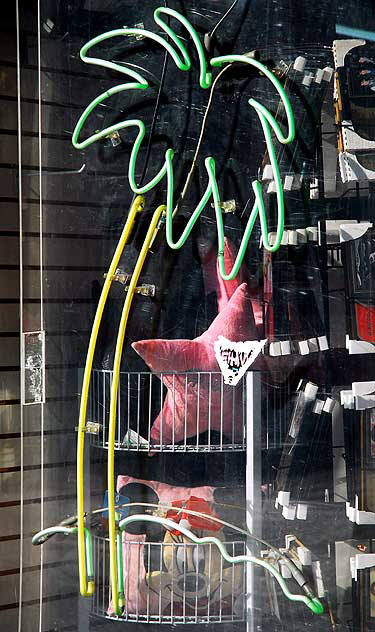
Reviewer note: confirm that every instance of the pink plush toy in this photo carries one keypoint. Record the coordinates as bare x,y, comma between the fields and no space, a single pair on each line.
196,404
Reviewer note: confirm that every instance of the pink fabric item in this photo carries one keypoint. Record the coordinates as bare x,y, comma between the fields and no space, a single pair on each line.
168,493
188,408
213,281
134,571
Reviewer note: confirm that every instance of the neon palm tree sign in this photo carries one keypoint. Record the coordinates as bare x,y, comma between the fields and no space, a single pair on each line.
181,58
269,124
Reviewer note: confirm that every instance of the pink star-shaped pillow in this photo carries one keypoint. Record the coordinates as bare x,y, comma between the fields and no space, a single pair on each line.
201,402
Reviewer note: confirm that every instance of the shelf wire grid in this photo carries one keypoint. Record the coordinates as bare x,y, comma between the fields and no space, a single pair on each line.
172,583
174,412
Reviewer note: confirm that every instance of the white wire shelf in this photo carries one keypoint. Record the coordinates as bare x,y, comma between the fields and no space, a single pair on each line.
184,412
173,583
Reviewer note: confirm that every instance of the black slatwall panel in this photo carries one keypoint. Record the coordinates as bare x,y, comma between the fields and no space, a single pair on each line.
37,447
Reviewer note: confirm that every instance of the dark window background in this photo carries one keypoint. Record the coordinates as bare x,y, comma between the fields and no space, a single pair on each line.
73,204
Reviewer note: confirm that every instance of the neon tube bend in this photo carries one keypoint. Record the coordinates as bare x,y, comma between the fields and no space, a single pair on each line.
314,604
182,60
89,566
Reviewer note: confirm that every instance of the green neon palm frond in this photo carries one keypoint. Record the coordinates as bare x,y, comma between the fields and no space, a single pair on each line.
177,50
179,55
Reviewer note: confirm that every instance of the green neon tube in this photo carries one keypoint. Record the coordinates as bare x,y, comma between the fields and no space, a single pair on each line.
267,120
120,571
183,63
182,60
38,538
313,603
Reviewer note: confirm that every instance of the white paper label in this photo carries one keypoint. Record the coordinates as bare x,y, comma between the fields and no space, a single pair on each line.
132,438
234,358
